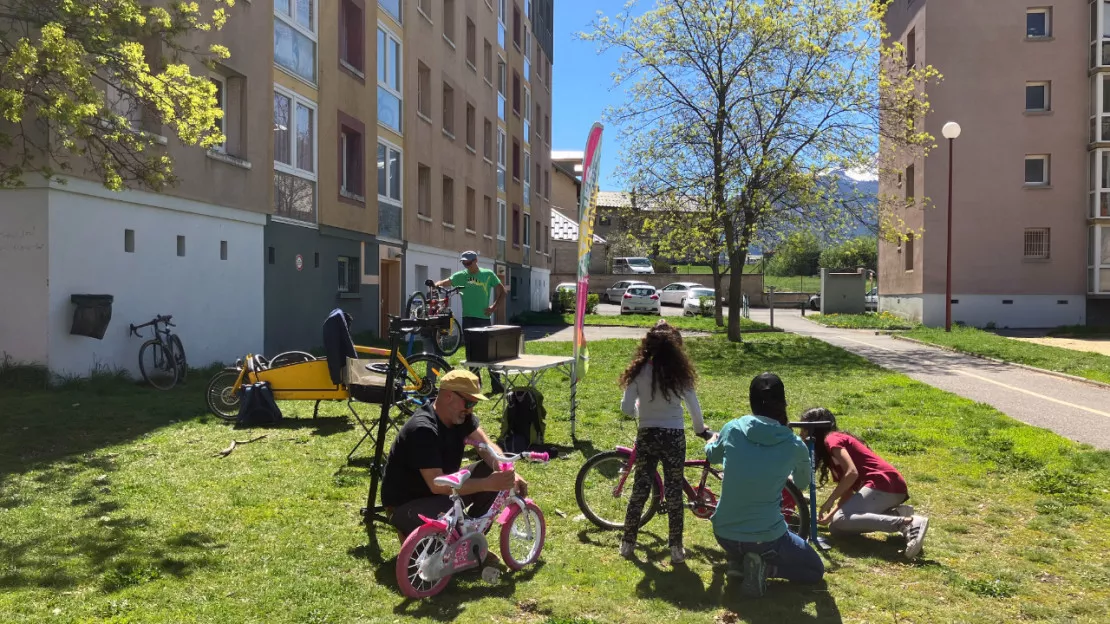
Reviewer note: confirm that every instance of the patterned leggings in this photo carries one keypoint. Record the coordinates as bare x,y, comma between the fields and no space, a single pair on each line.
652,446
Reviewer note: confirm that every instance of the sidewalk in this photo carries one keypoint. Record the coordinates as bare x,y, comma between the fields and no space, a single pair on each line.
1074,410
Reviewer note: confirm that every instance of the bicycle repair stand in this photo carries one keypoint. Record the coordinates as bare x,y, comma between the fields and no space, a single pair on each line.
814,538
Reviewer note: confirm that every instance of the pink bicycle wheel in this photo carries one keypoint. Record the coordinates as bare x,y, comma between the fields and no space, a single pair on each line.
427,541
526,528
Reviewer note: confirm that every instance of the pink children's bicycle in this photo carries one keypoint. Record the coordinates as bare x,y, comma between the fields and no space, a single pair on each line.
452,543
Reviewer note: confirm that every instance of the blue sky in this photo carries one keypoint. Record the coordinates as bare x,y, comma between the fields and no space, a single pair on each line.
583,82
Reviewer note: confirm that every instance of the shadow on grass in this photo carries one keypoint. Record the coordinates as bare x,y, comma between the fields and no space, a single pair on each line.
322,426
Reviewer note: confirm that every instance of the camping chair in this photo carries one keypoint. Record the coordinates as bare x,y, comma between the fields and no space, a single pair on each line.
365,383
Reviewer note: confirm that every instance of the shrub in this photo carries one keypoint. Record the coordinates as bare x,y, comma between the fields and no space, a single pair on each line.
797,255
851,254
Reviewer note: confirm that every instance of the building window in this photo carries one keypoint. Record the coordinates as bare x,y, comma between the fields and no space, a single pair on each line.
351,169
1036,243
471,210
449,110
527,179
487,140
129,241
911,195
351,42
295,37
501,23
389,174
180,246
526,50
448,200
425,7
1036,170
449,21
423,191
527,232
501,219
516,26
516,225
537,118
527,108
501,157
547,129
907,252
471,44
393,8
911,48
502,85
487,58
424,90
1099,184
270,255
348,274
1100,106
1038,23
516,160
516,93
389,80
223,250
1037,96
221,102
487,209
294,157
538,242
547,239
547,184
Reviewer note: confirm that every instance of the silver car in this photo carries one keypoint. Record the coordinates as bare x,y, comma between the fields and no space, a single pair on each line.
673,294
640,299
614,293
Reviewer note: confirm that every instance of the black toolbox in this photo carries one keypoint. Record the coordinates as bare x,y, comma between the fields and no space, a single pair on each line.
493,343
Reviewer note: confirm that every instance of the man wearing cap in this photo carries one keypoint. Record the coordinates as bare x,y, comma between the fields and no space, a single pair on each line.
477,309
760,453
431,444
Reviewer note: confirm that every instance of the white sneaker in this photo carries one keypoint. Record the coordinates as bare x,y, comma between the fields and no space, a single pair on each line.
678,555
905,511
915,536
627,550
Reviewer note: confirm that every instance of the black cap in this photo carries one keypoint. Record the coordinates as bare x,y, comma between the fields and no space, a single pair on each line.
767,389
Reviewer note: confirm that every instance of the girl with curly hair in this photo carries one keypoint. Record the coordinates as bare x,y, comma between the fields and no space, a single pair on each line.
659,380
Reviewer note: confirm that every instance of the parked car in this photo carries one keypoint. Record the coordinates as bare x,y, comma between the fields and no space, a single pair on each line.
815,302
632,265
640,298
614,293
871,300
561,288
673,294
692,304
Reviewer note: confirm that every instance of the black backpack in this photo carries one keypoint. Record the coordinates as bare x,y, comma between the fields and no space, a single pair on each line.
524,420
257,406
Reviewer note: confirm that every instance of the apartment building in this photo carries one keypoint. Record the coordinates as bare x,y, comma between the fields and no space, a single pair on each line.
477,143
1030,88
193,251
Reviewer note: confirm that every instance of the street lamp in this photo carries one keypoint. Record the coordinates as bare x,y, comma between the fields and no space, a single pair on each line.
951,131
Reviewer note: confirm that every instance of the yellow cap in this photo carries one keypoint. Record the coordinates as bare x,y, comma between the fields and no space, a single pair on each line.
463,382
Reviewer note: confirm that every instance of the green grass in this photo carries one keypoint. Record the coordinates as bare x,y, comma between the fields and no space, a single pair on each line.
867,320
114,509
978,342
690,323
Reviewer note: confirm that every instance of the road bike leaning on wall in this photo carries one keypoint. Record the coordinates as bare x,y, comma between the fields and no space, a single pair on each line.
437,302
162,358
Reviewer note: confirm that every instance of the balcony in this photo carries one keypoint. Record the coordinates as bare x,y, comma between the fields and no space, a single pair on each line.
1100,35
1098,260
1099,185
1100,108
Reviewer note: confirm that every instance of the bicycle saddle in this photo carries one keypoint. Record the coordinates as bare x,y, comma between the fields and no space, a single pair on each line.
453,481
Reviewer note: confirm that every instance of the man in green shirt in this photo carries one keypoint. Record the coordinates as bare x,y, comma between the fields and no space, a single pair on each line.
477,309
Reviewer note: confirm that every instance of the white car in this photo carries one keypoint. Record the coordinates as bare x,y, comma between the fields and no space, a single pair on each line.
691,305
640,298
614,293
871,300
673,294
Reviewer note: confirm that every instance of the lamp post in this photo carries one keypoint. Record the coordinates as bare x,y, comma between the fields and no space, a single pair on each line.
951,131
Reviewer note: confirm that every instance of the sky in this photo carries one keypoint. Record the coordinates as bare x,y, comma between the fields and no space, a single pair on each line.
583,85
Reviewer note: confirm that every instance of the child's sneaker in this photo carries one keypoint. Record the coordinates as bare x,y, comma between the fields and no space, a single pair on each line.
755,576
628,550
915,536
678,555
905,511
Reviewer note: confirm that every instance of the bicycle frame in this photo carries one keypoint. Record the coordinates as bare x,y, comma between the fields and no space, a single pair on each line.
691,493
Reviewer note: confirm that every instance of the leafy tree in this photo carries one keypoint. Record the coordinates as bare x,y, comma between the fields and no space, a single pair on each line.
622,244
744,109
798,255
850,254
80,79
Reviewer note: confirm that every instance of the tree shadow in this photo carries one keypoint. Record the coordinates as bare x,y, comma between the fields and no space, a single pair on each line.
322,426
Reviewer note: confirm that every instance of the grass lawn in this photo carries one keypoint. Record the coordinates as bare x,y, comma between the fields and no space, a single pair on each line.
691,323
867,320
978,342
792,283
115,509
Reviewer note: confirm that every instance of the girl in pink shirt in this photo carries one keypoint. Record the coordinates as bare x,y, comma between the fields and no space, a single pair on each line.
869,491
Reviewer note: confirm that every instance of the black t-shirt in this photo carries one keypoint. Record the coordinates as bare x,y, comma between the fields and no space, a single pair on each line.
424,442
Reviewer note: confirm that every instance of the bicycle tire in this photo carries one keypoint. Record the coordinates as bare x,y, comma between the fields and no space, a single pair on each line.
540,527
617,459
417,306
290,357
158,364
436,541
448,341
430,367
221,389
797,518
179,356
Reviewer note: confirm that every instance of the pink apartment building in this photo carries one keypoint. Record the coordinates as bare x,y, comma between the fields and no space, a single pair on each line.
1029,83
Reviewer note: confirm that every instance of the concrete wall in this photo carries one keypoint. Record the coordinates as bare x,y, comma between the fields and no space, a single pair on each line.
843,293
298,301
216,303
565,257
24,277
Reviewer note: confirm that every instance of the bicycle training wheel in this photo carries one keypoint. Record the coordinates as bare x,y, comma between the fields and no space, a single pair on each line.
156,366
414,392
603,497
179,356
449,340
417,306
795,510
222,395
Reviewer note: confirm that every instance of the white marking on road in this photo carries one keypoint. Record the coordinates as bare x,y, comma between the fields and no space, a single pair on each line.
868,344
1031,393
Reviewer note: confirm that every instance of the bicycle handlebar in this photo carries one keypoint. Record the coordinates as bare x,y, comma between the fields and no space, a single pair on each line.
158,318
542,458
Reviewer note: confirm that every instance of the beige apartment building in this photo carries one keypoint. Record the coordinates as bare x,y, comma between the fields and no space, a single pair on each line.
477,142
1030,88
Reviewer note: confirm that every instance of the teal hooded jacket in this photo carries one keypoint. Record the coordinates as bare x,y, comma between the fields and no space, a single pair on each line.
758,456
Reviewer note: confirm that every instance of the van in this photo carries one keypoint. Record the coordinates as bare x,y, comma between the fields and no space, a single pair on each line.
632,266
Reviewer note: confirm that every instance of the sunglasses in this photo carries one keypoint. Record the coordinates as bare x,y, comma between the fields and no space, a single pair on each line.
467,402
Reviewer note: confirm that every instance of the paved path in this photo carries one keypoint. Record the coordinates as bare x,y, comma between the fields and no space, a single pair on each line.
1075,410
